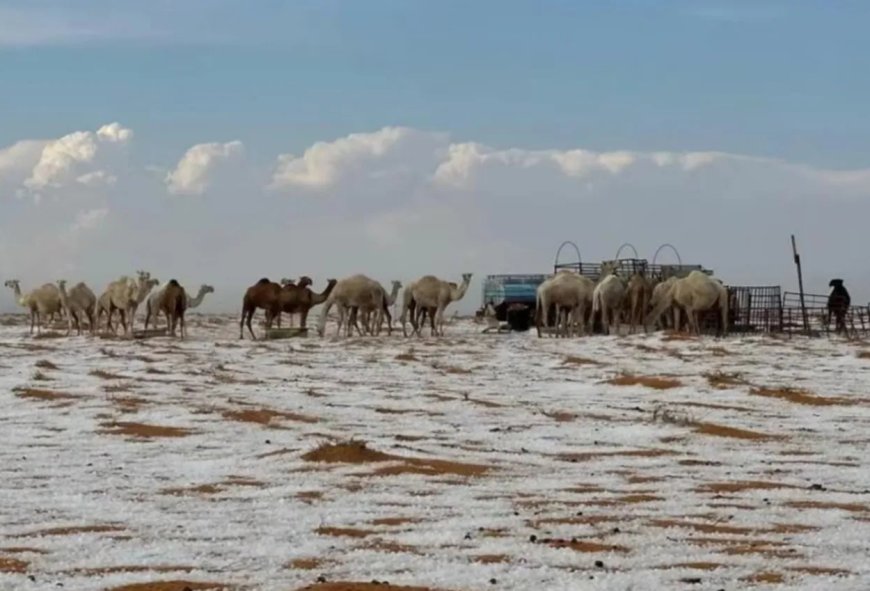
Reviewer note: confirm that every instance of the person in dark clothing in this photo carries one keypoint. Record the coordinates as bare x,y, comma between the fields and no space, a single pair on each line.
838,303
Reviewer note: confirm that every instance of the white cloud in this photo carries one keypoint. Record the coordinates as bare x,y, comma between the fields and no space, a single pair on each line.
78,157
18,160
388,152
194,172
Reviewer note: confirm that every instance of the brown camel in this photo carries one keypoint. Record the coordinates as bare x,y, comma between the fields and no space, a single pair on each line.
173,304
303,299
264,294
292,294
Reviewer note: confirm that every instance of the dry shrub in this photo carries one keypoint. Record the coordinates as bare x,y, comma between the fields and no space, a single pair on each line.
105,375
172,586
765,577
583,545
38,394
12,565
143,431
654,382
735,486
722,381
575,360
356,452
723,431
305,563
45,364
863,355
344,532
372,586
799,396
407,356
265,416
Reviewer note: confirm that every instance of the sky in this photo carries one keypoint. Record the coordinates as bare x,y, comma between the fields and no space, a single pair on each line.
220,141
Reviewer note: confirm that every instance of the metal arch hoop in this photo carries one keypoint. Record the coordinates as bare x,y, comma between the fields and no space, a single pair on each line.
673,248
559,252
619,250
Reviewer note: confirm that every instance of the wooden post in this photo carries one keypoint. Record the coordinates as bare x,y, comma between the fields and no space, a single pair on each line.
797,262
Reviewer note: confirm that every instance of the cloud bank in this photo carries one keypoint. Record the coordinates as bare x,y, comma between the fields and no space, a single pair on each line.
399,202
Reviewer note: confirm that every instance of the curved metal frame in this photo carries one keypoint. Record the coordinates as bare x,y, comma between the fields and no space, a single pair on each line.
673,248
559,252
624,244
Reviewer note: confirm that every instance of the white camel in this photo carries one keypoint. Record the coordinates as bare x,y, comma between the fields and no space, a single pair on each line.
433,294
571,294
608,299
356,291
695,293
78,304
125,295
44,301
152,304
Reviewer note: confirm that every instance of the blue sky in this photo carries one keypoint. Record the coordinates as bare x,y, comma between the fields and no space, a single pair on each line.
406,137
784,79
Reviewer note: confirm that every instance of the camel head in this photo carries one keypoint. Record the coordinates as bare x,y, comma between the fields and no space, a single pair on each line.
608,268
397,285
204,289
13,284
143,275
61,284
304,281
285,282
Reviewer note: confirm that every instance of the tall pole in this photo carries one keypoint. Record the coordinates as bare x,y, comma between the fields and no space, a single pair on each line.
797,262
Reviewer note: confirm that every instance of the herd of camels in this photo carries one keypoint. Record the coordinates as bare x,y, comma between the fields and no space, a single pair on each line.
576,300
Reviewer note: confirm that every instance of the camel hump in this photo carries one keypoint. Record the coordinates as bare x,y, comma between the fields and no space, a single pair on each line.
173,283
263,281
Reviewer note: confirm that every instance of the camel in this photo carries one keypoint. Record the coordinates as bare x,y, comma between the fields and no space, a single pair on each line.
570,293
608,299
637,300
659,291
299,299
125,294
79,303
431,292
292,294
389,300
356,291
264,294
173,304
44,301
695,293
152,305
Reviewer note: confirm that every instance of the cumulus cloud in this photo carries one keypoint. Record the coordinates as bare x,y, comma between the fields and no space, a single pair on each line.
195,171
388,152
78,157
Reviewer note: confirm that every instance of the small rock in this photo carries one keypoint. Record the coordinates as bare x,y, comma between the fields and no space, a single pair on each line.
616,530
533,538
268,442
599,564
321,579
817,487
492,581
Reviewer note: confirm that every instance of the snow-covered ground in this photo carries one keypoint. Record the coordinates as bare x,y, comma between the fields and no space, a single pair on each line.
481,461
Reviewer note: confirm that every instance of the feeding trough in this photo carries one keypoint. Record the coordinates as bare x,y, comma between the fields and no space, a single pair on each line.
286,333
